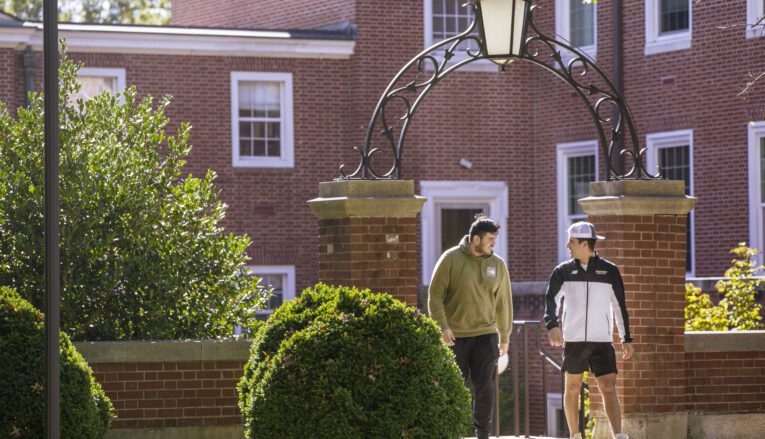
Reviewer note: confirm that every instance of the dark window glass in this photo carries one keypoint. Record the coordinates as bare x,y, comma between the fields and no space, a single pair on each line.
455,223
675,164
674,16
582,23
581,172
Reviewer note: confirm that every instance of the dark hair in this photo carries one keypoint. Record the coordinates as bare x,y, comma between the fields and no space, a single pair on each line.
483,225
590,242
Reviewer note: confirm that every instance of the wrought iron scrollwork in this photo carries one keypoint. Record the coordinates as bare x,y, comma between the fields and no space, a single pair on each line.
435,63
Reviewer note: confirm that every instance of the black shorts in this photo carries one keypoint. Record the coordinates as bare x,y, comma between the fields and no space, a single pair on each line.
581,356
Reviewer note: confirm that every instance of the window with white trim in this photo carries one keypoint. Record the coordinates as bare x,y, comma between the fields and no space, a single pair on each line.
671,153
575,22
447,18
757,185
261,120
755,23
448,211
278,278
577,166
668,25
94,81
556,419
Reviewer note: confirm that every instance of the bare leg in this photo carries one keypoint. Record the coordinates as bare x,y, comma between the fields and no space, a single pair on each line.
607,386
571,401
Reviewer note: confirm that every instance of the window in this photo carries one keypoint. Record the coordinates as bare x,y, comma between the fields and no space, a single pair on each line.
667,25
281,278
576,23
447,18
556,419
672,154
755,11
449,211
757,185
261,119
94,81
577,168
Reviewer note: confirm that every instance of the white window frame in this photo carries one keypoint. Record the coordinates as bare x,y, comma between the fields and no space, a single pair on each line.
288,292
656,43
554,402
756,238
668,139
103,72
437,193
754,11
287,157
483,65
563,28
566,151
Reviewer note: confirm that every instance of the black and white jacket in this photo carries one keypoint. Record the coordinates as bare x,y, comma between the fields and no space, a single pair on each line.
592,299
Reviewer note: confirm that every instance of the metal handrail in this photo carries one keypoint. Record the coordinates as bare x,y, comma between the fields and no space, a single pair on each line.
521,326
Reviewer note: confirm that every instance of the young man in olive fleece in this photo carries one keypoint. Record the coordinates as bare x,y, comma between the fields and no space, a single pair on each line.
469,296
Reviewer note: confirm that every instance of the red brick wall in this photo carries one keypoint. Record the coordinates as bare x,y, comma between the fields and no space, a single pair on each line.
262,14
11,79
726,382
172,394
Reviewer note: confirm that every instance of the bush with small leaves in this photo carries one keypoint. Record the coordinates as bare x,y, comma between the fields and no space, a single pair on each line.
342,363
86,412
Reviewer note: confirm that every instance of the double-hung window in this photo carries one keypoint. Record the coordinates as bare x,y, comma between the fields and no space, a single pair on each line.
261,119
577,168
667,25
94,81
757,185
575,22
671,153
280,279
447,18
755,23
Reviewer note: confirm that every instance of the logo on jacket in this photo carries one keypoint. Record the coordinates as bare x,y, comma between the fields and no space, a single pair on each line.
601,271
491,271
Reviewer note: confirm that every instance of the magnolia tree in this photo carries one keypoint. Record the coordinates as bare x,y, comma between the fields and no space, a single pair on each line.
143,255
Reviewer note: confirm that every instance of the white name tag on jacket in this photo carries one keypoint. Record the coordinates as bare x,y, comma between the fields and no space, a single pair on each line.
491,271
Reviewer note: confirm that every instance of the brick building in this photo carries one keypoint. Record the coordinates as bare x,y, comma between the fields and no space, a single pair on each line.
278,93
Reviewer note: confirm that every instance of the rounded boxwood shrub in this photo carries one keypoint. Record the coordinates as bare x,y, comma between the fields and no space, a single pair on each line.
86,412
343,363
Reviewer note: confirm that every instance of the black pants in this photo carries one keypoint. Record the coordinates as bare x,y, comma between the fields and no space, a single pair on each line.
477,359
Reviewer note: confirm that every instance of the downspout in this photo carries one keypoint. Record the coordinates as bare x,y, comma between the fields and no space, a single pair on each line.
617,74
29,64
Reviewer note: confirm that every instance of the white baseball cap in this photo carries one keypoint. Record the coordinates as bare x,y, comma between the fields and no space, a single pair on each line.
583,230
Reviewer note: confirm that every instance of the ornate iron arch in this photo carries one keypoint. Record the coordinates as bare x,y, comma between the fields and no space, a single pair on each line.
435,62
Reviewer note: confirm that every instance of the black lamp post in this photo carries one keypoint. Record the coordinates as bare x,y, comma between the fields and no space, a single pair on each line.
506,32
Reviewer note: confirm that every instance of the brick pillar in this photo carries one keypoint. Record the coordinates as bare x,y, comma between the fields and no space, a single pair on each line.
644,223
368,235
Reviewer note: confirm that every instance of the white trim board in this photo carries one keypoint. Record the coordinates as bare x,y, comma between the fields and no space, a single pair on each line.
756,132
493,193
165,40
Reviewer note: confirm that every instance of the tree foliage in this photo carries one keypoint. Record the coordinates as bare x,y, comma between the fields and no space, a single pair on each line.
142,253
95,11
738,309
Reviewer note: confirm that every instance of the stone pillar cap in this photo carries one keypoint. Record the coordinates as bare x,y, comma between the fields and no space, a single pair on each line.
366,199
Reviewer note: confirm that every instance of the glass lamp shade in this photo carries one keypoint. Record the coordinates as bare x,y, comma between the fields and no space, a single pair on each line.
503,24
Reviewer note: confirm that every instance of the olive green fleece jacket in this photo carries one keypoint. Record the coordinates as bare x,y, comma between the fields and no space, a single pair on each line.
471,295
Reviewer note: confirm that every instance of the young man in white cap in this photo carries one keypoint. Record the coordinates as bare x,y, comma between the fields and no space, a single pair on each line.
594,295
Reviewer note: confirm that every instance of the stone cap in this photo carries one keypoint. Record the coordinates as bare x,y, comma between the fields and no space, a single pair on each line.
637,197
163,351
366,199
724,341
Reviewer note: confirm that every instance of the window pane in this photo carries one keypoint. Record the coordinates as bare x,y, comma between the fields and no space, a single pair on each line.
674,15
581,172
245,130
92,86
450,18
245,148
275,282
675,164
274,148
582,23
455,223
259,99
259,148
273,130
259,130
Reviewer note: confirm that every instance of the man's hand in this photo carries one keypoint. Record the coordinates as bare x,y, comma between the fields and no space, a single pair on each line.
627,350
556,336
449,337
503,348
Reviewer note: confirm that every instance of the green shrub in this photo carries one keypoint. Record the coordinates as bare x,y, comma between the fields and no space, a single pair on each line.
86,412
738,309
343,363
